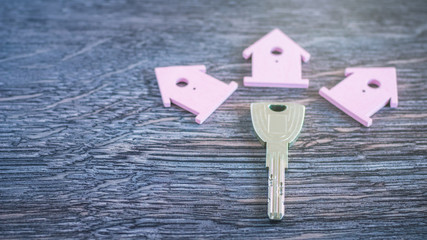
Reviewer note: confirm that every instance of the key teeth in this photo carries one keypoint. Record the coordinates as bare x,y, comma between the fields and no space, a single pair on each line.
276,162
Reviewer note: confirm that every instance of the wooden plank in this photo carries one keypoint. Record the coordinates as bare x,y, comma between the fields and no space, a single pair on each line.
88,151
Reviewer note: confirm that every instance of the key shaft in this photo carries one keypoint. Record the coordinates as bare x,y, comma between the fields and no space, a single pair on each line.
276,162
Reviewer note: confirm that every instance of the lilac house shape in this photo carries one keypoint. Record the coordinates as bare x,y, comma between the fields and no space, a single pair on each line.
364,92
192,89
276,62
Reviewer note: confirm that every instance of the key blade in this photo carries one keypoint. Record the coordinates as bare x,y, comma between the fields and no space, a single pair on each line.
276,162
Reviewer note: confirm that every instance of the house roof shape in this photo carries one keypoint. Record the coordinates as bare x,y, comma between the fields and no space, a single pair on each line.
273,39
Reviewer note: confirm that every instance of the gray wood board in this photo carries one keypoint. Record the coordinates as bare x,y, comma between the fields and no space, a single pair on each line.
87,149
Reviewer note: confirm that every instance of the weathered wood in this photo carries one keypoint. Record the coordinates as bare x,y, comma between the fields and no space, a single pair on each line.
88,151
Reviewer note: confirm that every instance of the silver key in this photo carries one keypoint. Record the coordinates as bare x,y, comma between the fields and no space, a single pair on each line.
277,126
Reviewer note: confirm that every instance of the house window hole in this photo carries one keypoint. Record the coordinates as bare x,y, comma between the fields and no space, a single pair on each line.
277,51
182,82
374,83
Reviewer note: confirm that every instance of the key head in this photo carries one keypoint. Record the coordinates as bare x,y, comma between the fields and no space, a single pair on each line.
277,122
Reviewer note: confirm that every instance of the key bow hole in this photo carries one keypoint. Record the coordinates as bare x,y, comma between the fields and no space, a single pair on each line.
277,107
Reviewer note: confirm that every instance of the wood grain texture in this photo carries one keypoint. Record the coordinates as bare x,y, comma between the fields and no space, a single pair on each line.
88,151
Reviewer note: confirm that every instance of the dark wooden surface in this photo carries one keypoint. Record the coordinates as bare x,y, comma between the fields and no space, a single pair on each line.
88,151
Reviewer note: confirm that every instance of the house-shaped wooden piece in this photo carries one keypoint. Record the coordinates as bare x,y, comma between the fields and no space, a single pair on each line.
192,89
276,62
364,92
